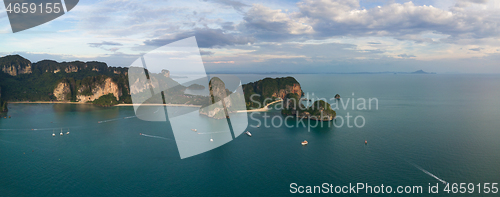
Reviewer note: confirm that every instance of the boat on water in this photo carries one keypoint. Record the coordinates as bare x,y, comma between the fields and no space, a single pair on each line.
211,139
61,133
194,130
366,142
304,143
53,134
67,133
248,133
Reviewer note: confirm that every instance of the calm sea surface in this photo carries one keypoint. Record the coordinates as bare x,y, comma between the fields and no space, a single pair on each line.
448,125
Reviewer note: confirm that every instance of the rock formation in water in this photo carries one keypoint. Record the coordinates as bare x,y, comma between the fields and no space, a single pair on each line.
319,110
268,90
218,104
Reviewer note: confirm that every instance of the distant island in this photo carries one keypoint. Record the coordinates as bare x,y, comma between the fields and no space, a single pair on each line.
326,72
421,72
196,87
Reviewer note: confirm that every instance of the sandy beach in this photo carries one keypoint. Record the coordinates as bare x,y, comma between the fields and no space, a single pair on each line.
170,105
265,108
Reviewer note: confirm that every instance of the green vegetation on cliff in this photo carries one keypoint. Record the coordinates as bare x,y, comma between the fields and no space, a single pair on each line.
45,75
257,92
291,103
22,80
3,105
106,100
319,110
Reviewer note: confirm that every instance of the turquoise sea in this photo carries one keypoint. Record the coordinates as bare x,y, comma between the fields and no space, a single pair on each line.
446,125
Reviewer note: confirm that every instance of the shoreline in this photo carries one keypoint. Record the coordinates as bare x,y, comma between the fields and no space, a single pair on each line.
47,102
265,108
170,105
118,105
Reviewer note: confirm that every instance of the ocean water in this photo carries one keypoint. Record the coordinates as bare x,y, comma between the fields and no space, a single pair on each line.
447,125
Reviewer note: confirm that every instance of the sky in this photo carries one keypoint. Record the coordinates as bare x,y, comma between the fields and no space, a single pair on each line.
305,36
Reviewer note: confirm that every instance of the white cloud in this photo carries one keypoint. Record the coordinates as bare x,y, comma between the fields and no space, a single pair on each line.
263,20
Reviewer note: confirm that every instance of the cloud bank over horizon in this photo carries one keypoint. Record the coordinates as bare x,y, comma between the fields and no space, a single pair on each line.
278,36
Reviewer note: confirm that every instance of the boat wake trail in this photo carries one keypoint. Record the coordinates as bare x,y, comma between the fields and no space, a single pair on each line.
40,129
428,173
110,120
146,135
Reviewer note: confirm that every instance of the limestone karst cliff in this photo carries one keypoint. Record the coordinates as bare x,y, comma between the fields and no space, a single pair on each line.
257,92
89,89
48,80
15,65
108,86
62,92
218,104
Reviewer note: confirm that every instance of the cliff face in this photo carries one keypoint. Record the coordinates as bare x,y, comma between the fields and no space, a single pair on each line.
49,80
62,92
15,65
100,89
257,92
289,88
71,69
219,102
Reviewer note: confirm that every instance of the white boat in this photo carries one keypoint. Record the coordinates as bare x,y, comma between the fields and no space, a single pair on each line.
53,134
211,139
304,143
67,133
194,130
248,133
61,133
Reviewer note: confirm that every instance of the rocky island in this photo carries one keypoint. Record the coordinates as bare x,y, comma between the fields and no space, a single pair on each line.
196,87
288,90
221,101
262,92
319,110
